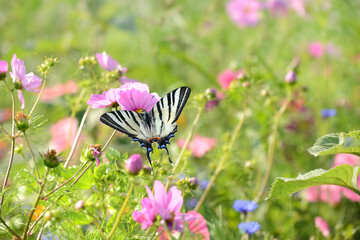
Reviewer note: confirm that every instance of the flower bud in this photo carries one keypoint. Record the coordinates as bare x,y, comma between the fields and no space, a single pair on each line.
210,93
47,216
264,92
193,183
92,153
79,204
290,77
48,63
51,160
134,164
245,84
22,121
3,69
241,75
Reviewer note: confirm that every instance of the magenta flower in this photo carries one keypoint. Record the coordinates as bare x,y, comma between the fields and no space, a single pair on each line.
323,226
244,12
330,194
96,153
226,77
316,49
3,67
106,99
107,62
146,216
278,8
290,77
134,164
135,96
199,146
63,133
29,82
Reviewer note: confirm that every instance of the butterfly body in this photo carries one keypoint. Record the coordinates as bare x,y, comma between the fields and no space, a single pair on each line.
158,125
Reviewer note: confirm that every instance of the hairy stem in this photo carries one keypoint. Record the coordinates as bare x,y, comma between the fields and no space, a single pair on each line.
77,137
25,235
9,228
121,211
12,148
272,144
223,160
108,141
39,96
32,155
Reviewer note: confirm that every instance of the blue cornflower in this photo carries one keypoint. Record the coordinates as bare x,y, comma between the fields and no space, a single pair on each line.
249,227
244,206
326,113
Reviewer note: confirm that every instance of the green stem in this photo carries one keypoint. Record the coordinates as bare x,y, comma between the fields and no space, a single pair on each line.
32,155
99,229
223,160
25,235
121,211
272,144
39,96
12,148
71,178
9,229
77,136
108,141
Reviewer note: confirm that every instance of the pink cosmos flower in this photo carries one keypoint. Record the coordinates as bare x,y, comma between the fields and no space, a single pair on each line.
146,216
330,194
106,62
228,76
63,133
199,146
29,82
244,12
135,96
3,67
134,164
323,226
106,99
59,90
316,49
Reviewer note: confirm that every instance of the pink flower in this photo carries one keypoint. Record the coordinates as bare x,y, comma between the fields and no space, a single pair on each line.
29,82
106,62
59,90
199,146
146,216
63,133
298,7
316,49
228,76
3,67
323,226
106,99
344,158
135,96
278,7
330,194
244,12
134,164
290,77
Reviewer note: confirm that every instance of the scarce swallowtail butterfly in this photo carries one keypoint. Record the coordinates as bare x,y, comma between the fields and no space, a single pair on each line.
159,125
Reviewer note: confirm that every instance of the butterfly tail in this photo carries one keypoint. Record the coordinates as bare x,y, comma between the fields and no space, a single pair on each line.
148,151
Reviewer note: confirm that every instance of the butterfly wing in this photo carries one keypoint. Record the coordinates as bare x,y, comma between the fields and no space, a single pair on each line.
132,124
165,114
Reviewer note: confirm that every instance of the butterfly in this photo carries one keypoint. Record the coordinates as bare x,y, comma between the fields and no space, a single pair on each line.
158,125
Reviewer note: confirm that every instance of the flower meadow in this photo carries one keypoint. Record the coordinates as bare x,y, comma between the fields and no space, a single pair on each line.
266,145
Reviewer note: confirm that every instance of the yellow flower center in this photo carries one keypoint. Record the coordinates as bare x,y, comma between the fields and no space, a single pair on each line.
139,110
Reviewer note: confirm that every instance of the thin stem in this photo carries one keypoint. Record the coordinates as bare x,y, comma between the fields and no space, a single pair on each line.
108,141
223,160
72,177
24,237
272,144
9,228
40,233
32,154
6,133
39,96
77,179
121,211
12,148
99,229
77,136
187,141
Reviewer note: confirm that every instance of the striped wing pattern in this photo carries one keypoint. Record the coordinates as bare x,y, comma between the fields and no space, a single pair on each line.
157,126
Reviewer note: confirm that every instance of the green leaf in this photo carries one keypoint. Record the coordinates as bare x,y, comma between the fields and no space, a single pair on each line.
80,218
113,155
84,182
343,175
337,143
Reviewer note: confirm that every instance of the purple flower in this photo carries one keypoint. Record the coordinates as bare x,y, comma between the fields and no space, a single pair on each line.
249,227
107,62
96,153
134,164
3,68
326,113
290,77
278,8
106,99
29,82
245,206
244,12
135,96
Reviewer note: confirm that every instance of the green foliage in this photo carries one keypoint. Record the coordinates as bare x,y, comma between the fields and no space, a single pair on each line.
343,175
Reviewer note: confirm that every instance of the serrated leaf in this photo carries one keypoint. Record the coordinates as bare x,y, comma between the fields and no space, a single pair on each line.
337,143
343,175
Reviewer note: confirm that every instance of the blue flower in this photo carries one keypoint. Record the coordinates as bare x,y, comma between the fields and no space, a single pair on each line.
245,206
249,227
326,113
